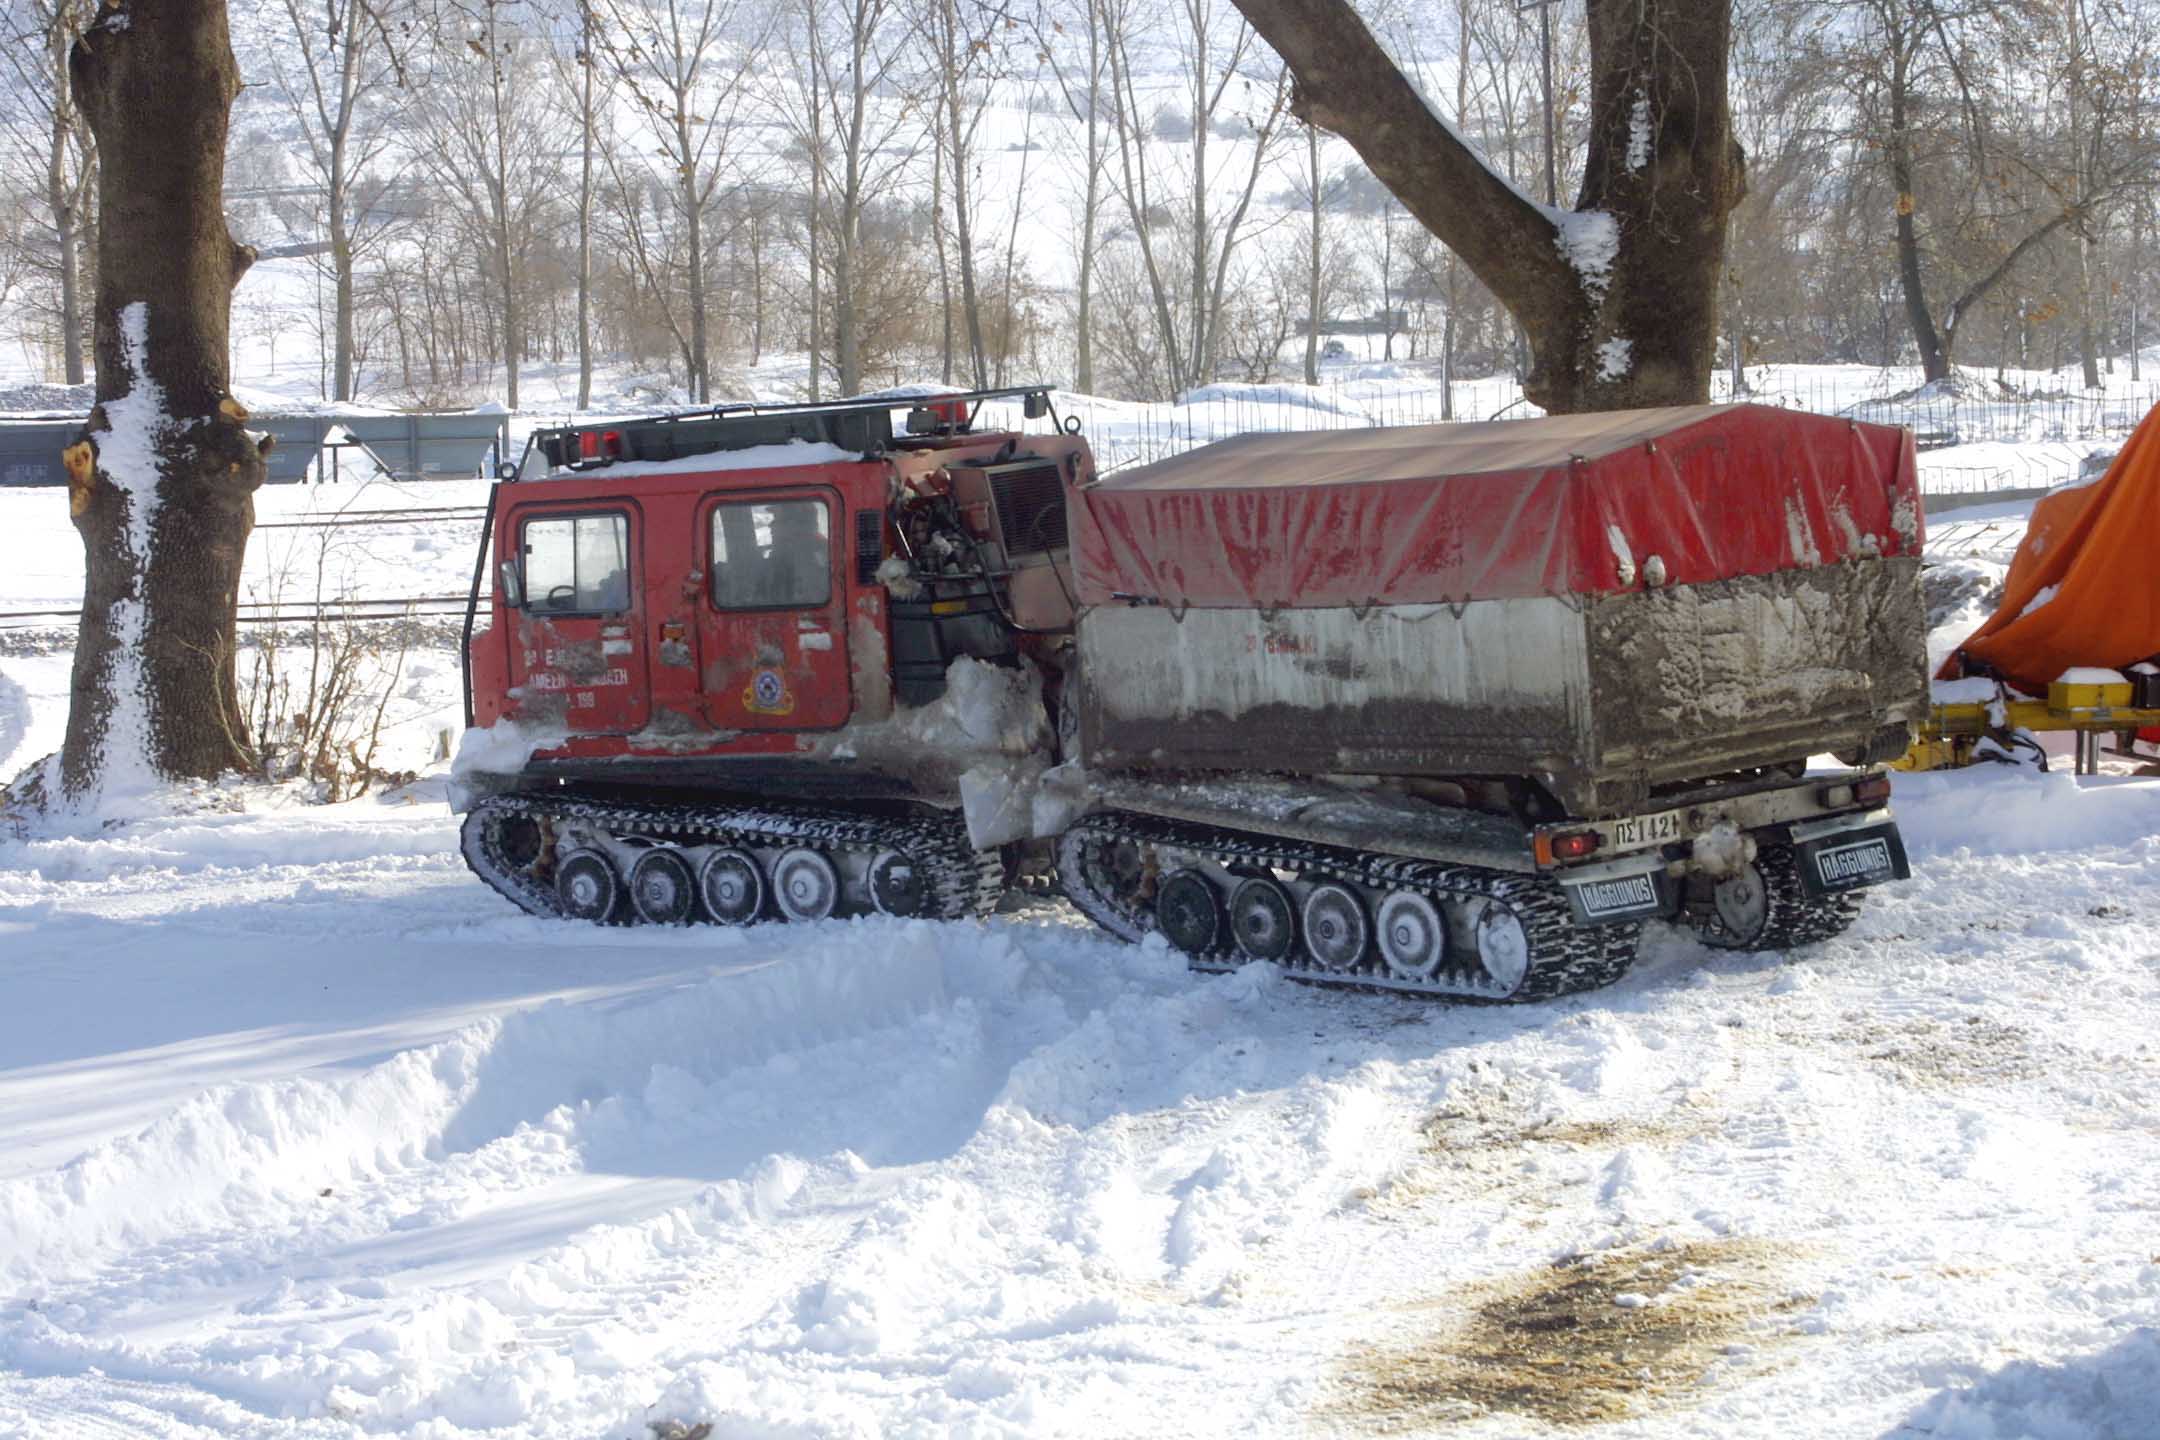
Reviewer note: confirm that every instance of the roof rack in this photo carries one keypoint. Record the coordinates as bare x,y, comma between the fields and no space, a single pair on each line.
861,423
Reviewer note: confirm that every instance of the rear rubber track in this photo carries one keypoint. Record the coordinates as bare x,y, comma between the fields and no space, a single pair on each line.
1796,918
1564,958
964,882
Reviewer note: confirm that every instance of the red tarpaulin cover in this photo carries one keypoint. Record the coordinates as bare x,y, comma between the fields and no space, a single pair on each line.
2090,551
1568,505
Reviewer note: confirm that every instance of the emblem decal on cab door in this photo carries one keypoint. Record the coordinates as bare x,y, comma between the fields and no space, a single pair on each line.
767,694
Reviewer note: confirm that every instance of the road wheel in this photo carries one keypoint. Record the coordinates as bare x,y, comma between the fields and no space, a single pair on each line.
1262,920
804,884
662,889
1188,910
587,886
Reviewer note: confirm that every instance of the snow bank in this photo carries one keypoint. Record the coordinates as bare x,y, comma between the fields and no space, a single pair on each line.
246,1149
2012,810
2111,1394
1297,397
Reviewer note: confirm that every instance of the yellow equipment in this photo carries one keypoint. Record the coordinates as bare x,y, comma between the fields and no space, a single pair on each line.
1948,736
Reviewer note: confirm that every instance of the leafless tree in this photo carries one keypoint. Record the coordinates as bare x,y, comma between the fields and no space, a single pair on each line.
339,68
1072,40
687,67
1228,83
964,43
45,133
1979,185
855,60
489,145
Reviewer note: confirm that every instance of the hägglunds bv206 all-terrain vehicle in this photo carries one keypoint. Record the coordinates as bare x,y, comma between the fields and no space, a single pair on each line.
1444,709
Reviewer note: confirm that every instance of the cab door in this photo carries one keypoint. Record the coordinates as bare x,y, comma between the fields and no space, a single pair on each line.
579,655
773,628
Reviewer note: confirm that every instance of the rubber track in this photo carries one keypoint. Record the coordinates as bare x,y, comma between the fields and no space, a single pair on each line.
1796,917
966,882
1565,958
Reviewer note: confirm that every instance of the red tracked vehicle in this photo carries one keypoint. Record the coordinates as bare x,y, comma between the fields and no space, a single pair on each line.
1446,709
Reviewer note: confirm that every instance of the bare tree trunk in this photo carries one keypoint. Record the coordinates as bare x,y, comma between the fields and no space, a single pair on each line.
1312,259
816,223
589,61
162,480
847,335
1133,170
71,351
1090,209
64,194
1198,370
2137,279
694,218
341,275
944,267
2088,351
1735,335
1447,352
956,133
757,286
1934,354
1012,246
847,241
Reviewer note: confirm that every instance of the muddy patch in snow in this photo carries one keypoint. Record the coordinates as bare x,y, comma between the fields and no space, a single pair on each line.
1470,1129
1933,1052
1484,1143
1586,1340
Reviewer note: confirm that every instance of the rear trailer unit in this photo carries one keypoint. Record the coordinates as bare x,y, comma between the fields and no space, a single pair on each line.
1609,604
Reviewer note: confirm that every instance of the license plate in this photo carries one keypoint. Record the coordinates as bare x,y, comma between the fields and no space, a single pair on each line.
1647,829
1853,859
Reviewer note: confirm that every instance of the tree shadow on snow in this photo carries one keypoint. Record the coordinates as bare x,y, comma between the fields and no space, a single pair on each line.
2111,1394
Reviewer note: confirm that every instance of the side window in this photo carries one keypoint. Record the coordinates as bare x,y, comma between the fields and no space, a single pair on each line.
577,564
771,555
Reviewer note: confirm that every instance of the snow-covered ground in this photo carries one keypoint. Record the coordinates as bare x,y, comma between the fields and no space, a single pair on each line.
309,1134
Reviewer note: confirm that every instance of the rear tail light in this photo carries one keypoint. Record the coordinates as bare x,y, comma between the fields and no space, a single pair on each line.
1568,845
1871,791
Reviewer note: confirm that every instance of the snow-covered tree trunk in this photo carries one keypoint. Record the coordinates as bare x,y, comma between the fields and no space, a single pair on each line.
1618,296
162,479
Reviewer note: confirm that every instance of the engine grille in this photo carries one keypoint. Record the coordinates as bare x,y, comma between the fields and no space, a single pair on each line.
1030,508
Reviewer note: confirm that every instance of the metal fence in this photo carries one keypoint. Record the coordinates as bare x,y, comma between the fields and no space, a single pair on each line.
410,447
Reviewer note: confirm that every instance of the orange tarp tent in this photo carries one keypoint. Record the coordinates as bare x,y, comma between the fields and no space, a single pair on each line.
2084,586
